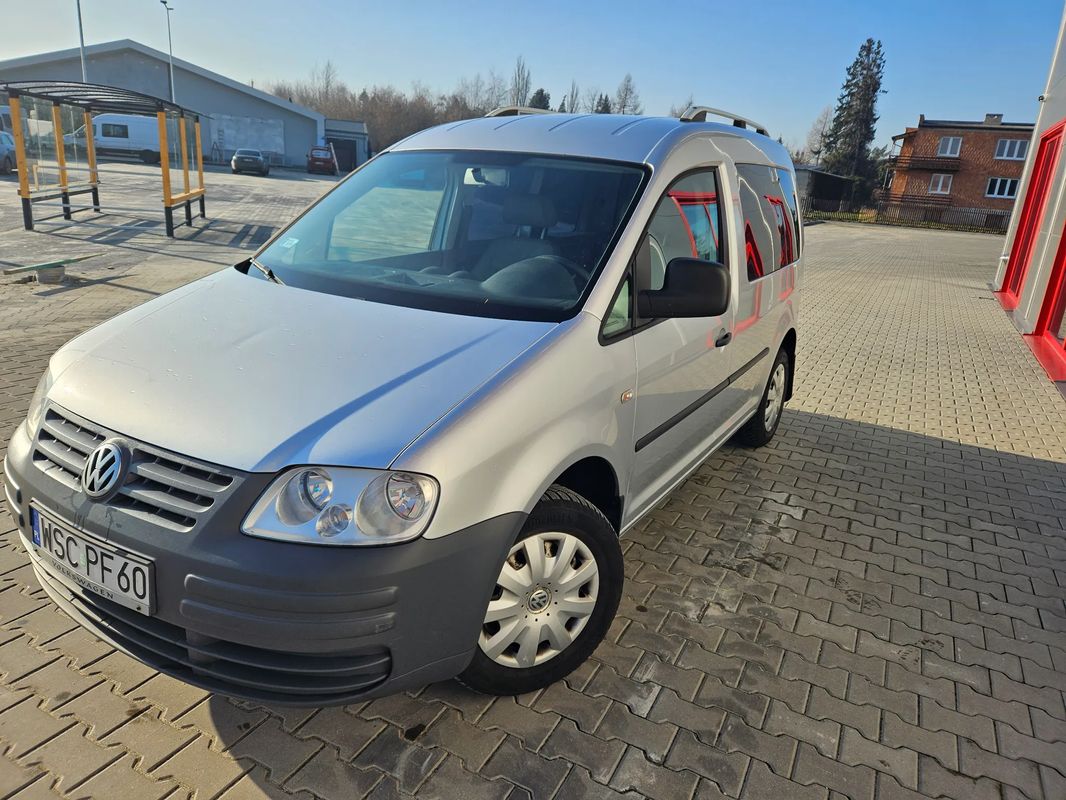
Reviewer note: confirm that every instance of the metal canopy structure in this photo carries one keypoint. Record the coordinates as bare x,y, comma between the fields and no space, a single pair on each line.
96,98
93,97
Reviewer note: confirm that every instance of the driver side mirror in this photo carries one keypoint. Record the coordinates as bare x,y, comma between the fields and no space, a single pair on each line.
691,288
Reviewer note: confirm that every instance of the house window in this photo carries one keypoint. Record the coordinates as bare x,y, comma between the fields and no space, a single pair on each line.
949,146
940,184
1012,149
1002,187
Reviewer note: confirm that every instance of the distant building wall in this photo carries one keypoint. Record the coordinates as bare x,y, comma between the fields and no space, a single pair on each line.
235,114
970,169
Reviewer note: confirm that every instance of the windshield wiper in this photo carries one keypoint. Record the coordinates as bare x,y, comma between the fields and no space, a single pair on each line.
267,271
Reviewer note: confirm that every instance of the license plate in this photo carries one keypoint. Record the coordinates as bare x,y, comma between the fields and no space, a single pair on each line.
81,559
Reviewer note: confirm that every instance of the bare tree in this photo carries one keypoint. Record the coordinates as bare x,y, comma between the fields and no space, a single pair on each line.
521,83
573,98
592,99
626,99
495,90
471,92
814,147
677,111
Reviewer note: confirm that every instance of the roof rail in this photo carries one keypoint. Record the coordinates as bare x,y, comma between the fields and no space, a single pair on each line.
699,114
516,111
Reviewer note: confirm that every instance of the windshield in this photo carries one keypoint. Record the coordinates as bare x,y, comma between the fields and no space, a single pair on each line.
484,233
248,153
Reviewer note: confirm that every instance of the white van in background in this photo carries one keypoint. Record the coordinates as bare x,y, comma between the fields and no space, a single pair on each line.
122,135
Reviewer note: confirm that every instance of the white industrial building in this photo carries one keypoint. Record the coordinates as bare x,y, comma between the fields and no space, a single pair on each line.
237,115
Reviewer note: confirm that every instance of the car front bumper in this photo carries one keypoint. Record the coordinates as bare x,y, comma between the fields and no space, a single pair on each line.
274,621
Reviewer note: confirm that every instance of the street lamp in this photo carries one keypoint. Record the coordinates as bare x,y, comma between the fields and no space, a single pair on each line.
170,44
81,36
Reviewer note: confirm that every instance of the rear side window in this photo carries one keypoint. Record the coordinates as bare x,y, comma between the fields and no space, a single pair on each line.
771,220
115,131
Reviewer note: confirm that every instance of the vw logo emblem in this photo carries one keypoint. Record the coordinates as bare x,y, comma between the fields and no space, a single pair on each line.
539,599
105,470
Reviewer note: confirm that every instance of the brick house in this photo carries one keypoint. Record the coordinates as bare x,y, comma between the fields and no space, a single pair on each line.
968,170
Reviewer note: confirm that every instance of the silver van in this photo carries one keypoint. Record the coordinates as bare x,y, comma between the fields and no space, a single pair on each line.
401,442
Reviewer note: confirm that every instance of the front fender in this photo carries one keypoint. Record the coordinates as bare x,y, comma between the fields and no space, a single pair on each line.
500,449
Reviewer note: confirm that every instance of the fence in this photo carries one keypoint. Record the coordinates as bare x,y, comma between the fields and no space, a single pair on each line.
909,213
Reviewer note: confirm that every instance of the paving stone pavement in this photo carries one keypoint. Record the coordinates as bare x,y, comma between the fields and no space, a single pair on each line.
872,606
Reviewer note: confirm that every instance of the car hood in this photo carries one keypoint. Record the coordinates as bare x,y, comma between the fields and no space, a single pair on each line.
257,376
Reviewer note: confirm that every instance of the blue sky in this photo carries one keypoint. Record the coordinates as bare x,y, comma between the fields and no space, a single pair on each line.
777,62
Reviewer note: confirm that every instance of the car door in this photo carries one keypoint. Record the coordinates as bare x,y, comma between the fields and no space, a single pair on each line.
683,365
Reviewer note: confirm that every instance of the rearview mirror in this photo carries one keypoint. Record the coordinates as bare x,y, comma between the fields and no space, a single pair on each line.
691,288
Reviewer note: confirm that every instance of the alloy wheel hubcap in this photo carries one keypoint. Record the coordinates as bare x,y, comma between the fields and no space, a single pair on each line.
775,397
543,598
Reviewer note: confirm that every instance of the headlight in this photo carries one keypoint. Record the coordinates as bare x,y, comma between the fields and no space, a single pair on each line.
344,506
33,417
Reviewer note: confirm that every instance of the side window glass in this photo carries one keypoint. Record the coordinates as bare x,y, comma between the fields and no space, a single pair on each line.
787,187
618,317
116,131
771,220
686,224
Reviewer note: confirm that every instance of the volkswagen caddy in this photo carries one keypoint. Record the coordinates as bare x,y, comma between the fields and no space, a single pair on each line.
401,442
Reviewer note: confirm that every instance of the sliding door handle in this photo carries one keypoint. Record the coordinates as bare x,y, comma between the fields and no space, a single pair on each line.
724,338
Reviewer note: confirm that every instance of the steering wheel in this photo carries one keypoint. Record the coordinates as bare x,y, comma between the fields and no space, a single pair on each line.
573,268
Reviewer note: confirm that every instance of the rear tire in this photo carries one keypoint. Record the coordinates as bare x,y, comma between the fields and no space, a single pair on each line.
8,167
760,429
580,568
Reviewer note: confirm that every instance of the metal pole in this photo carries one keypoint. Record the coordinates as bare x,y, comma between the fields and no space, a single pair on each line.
81,36
170,45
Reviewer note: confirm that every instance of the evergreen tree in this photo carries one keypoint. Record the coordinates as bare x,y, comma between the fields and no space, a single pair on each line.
562,106
540,99
847,143
603,105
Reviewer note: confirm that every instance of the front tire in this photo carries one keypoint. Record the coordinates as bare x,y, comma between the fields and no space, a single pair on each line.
760,429
8,166
554,600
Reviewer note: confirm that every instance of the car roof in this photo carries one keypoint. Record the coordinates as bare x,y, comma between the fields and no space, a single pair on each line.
640,139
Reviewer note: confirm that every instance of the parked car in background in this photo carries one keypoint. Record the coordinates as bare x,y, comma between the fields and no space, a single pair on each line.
401,442
248,160
7,153
320,159
121,135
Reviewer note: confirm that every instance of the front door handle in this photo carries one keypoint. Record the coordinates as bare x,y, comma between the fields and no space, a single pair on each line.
724,338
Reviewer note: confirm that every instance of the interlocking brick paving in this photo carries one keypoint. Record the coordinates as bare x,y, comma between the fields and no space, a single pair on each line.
872,606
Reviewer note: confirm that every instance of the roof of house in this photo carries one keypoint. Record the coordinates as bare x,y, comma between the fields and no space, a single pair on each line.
129,44
820,171
990,122
355,126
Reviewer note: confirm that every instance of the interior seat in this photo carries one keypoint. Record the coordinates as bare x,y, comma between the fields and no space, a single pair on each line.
525,211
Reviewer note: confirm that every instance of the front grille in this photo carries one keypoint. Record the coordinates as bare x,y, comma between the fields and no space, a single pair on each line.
227,667
161,488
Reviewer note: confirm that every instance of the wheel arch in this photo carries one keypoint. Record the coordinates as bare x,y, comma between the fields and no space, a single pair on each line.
595,479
